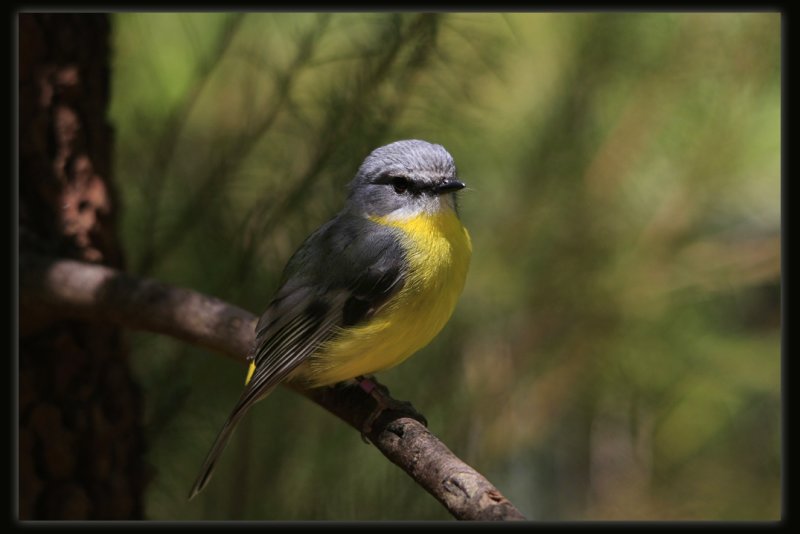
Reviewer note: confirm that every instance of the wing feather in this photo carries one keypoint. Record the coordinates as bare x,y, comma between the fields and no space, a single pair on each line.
341,275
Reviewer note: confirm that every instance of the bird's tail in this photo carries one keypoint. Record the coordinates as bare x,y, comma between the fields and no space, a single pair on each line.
245,402
213,455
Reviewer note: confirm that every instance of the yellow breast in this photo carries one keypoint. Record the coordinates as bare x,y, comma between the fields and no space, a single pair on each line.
438,250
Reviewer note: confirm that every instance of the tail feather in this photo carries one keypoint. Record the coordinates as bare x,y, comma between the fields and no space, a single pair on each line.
213,455
244,404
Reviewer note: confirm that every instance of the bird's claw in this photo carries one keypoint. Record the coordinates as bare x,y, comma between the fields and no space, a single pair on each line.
384,402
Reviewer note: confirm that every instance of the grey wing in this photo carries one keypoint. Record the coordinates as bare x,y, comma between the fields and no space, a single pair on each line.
340,276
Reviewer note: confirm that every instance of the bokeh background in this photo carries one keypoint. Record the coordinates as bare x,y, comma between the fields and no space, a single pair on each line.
616,352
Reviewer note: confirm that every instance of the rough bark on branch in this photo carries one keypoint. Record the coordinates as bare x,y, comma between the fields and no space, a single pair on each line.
97,293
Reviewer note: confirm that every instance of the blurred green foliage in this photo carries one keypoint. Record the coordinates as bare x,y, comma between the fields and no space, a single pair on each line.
616,352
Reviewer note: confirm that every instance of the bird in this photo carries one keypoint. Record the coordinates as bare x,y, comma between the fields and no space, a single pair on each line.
369,288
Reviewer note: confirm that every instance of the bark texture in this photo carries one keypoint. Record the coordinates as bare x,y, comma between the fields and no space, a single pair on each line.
80,430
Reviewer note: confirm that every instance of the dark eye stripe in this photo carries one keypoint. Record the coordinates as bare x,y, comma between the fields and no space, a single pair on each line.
400,185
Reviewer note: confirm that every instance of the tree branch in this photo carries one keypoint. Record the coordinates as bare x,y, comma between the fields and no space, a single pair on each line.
56,288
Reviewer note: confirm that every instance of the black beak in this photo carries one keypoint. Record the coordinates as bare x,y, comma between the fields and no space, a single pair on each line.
449,186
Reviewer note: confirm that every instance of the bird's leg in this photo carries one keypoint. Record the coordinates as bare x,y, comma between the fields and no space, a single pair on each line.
383,402
371,388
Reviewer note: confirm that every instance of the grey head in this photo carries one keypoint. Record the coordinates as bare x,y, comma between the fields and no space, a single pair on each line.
404,179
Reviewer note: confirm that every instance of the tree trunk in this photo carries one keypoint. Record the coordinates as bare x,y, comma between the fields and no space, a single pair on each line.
80,431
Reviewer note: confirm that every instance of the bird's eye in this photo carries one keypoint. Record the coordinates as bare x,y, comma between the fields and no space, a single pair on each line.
400,185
